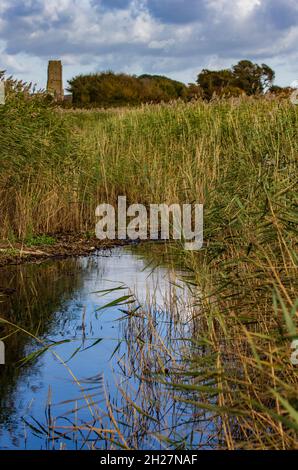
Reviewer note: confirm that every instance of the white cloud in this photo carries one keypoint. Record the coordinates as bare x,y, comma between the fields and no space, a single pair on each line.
174,37
239,9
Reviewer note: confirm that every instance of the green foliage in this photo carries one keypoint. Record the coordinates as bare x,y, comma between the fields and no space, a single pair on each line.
280,92
108,89
31,133
158,88
34,158
253,78
40,240
244,77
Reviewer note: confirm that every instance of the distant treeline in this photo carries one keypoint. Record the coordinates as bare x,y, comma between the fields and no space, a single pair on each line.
108,89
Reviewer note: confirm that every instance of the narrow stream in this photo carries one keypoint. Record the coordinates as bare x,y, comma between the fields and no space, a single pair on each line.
87,389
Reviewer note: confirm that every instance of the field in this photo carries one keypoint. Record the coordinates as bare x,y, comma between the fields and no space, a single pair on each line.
239,158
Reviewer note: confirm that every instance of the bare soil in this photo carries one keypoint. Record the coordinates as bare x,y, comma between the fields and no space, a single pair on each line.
66,245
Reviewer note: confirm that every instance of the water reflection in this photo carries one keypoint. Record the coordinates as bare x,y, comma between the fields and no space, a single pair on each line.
97,387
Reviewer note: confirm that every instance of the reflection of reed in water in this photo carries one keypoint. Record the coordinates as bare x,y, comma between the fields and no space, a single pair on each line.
156,342
146,411
145,408
30,296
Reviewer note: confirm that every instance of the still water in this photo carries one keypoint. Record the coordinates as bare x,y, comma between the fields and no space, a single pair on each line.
94,354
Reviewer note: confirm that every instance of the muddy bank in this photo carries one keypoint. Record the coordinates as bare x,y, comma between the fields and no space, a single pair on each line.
61,246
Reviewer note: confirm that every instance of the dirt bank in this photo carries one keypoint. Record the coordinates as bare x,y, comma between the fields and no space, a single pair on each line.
61,246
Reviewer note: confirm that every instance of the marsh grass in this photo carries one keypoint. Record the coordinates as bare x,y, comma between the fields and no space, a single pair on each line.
238,158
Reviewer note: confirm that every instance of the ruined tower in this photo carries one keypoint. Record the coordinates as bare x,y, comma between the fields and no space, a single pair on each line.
55,81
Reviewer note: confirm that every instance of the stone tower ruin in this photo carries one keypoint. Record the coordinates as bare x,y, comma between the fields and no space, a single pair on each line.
55,80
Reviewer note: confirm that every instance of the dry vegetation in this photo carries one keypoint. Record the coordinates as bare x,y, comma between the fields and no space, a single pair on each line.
239,157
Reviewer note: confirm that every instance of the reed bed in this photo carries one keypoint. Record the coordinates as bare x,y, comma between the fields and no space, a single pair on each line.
237,157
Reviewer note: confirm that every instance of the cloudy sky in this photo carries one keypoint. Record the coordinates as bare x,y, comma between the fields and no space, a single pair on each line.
170,37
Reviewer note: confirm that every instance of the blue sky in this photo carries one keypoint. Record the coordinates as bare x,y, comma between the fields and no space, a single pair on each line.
177,38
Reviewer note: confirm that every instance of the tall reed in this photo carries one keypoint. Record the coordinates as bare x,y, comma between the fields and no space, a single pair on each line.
238,158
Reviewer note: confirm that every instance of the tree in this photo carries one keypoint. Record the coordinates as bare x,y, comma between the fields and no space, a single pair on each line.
194,92
165,88
252,78
109,89
245,77
267,77
280,92
214,82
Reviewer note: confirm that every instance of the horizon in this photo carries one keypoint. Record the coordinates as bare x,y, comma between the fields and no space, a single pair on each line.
65,82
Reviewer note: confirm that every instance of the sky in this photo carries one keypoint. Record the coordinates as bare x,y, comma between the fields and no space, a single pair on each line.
176,38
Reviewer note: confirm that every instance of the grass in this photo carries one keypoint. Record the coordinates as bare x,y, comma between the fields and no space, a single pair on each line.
9,252
40,240
239,158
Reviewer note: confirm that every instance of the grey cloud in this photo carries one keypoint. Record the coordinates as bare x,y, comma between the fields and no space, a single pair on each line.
19,9
280,14
112,4
178,11
183,34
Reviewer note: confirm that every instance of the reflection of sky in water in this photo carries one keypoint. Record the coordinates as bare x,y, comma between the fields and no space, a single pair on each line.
80,320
